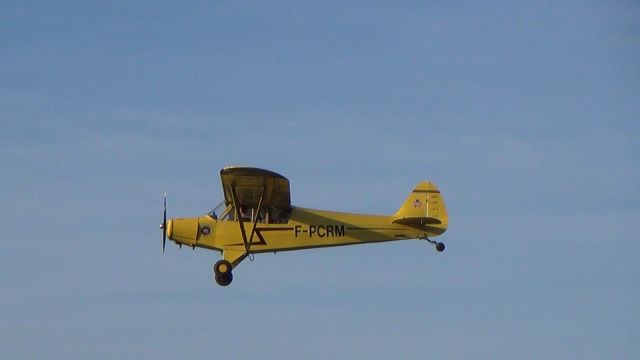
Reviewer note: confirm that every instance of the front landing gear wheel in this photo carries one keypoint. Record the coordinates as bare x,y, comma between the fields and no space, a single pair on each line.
224,280
222,270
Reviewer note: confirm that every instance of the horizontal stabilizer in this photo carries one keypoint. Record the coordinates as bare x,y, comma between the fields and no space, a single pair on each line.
417,221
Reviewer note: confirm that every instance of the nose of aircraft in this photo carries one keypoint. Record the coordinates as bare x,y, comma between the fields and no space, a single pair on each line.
183,231
170,229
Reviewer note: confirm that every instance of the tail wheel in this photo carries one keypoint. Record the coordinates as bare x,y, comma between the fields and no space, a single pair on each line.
222,270
439,246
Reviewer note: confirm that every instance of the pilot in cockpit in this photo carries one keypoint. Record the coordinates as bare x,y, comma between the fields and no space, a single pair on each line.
244,214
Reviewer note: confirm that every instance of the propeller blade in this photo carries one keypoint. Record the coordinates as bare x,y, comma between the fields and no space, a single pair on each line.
164,224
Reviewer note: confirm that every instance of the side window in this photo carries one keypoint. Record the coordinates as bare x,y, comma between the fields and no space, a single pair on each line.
278,215
270,215
246,213
229,214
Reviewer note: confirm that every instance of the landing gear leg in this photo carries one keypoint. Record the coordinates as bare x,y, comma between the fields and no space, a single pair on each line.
439,246
222,271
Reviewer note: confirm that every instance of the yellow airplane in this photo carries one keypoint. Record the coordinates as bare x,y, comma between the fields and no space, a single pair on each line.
256,216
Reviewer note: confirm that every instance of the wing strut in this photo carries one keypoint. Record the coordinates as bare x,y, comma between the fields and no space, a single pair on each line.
247,242
234,197
255,220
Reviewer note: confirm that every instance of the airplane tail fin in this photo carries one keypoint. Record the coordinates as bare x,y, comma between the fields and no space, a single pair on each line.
424,207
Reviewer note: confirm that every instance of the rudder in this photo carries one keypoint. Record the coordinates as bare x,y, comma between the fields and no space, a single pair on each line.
424,207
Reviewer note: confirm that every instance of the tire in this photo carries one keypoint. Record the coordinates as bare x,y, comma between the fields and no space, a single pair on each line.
222,271
224,280
222,267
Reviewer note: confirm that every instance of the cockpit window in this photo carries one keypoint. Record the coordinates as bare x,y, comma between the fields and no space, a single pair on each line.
271,215
279,215
216,211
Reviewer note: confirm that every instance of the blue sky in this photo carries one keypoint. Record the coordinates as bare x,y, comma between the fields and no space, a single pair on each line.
525,115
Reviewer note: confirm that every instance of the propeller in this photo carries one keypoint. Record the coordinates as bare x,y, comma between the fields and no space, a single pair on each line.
163,226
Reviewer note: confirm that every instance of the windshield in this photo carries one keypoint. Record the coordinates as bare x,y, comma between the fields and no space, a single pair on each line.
216,211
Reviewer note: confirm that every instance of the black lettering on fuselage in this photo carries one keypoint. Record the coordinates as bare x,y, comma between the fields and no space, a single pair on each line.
320,231
330,230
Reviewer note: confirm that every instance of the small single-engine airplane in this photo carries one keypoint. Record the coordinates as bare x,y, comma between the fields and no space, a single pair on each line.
256,216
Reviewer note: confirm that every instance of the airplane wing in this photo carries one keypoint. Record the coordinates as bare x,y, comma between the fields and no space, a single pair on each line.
253,184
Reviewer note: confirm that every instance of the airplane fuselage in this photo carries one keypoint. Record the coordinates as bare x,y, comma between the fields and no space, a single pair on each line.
305,229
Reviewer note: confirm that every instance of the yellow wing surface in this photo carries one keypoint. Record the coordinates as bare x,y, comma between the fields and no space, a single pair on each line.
251,184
